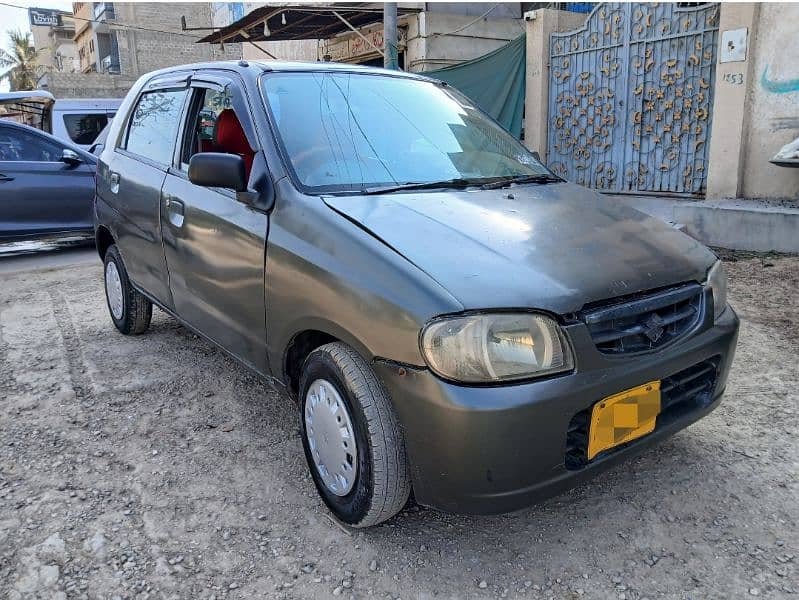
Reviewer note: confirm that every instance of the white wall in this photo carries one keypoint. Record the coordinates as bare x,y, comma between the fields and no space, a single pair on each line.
774,113
437,40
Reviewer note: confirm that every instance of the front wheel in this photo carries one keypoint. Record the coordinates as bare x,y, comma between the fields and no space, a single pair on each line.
352,438
130,310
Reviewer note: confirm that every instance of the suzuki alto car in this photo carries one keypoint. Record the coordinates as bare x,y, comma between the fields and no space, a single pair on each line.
451,317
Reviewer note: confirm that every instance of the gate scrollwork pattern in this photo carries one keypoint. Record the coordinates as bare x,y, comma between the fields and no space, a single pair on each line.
630,98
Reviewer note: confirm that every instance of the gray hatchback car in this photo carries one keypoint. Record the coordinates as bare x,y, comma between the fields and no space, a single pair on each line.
452,318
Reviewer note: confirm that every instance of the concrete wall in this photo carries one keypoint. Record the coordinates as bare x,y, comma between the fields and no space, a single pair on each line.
86,85
774,114
756,104
300,50
509,10
540,24
437,39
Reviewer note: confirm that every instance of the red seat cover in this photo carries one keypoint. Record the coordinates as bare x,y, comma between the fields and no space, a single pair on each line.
229,137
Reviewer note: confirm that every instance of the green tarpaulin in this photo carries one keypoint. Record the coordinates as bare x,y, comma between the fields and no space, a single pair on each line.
494,81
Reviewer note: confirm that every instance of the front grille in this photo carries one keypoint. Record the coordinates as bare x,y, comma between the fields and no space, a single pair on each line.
645,323
680,394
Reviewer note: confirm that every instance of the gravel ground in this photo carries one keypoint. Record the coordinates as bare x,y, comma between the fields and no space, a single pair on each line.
156,467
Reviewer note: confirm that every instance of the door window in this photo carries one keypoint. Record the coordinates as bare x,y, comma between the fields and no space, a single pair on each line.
215,126
84,128
154,125
20,145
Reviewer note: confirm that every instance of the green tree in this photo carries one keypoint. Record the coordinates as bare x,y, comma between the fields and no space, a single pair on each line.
18,62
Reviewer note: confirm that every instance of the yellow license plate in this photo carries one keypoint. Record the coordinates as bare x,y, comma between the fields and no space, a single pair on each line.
623,417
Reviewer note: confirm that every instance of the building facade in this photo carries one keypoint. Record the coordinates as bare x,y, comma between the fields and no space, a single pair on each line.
674,100
432,36
116,43
53,32
98,51
131,38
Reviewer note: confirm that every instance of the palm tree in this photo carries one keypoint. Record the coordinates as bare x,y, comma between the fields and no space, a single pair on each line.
18,63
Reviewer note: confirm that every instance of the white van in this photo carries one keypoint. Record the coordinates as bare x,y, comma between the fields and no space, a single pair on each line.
81,120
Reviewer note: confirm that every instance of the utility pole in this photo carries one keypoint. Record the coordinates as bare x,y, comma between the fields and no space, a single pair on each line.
390,60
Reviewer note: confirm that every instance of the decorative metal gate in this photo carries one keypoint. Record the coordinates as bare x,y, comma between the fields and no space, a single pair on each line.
630,98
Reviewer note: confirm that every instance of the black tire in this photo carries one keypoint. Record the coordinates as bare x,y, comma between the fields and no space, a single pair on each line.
137,310
383,483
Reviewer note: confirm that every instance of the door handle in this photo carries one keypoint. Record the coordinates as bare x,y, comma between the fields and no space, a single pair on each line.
114,181
176,210
5,178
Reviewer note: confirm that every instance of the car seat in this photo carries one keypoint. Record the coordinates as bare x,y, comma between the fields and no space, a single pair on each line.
229,138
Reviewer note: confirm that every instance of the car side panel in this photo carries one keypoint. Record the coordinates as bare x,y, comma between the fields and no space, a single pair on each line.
325,273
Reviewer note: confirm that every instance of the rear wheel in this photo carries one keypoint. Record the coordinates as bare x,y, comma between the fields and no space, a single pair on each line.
130,310
352,438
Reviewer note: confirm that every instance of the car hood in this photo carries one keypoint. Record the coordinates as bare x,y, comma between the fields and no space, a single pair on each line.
553,247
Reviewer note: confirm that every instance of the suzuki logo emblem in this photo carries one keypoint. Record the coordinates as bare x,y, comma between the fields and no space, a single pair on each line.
653,327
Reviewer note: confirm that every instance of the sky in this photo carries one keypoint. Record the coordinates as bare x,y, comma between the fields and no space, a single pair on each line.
17,18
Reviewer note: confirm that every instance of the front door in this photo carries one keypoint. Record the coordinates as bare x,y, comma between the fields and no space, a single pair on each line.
214,244
39,193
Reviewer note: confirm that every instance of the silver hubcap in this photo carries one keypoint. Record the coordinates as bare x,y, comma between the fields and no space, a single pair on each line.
113,289
331,437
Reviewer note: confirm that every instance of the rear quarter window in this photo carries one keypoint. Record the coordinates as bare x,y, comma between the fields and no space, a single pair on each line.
84,128
154,123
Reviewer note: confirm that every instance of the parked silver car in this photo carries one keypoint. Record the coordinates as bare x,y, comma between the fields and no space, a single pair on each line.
451,317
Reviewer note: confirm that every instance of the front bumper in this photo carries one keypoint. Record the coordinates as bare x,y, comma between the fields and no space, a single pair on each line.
496,449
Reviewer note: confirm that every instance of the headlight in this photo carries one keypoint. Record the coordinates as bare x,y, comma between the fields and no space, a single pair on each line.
717,282
495,347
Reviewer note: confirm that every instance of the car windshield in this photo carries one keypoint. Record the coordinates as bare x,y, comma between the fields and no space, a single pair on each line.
350,131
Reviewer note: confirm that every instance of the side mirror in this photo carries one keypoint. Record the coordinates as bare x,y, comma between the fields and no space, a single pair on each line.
537,156
70,157
216,169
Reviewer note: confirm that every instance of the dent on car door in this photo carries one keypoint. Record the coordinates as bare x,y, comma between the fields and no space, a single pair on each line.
214,244
131,185
40,193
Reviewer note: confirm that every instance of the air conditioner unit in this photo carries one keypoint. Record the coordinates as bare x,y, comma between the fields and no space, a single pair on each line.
109,66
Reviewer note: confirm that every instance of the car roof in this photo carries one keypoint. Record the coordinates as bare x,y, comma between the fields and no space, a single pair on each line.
44,134
331,67
256,67
83,103
40,96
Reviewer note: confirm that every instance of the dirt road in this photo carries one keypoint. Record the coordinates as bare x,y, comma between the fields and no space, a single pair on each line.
156,467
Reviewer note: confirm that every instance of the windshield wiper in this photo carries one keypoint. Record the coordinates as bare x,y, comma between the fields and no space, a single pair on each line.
458,183
519,179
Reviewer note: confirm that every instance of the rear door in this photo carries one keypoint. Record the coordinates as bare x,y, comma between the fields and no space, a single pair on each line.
131,182
214,244
39,193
